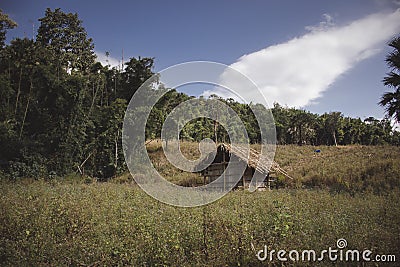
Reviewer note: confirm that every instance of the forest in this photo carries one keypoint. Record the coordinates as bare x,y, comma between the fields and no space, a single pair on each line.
61,110
67,198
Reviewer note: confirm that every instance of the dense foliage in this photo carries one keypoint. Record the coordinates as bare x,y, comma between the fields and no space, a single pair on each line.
61,111
391,100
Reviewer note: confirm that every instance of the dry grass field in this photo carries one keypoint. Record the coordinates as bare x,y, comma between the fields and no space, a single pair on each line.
342,192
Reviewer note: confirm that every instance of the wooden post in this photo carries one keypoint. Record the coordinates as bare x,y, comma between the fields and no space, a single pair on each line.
223,159
116,152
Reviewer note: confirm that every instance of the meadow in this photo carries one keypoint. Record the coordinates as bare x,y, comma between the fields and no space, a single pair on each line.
352,168
342,192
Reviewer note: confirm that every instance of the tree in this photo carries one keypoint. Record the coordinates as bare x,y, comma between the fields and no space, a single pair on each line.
281,117
105,144
302,126
330,128
5,24
391,100
64,36
137,71
24,83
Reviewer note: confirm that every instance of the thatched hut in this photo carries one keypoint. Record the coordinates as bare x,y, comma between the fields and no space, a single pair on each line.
254,164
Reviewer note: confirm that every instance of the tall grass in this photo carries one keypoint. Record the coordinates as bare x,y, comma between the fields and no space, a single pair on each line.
343,192
343,168
112,224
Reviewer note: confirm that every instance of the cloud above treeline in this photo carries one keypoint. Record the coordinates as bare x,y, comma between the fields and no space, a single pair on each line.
298,71
105,61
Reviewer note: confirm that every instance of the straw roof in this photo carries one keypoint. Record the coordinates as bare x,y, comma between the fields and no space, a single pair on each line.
254,159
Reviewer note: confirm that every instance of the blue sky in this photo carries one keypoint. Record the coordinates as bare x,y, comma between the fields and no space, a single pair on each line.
249,35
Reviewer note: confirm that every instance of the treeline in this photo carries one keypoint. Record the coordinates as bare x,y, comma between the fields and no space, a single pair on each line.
296,126
61,111
293,126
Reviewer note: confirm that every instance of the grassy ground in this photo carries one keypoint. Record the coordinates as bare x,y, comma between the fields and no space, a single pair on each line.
343,168
79,223
60,224
340,169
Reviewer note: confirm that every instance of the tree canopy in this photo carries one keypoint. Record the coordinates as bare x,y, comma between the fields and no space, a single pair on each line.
61,111
5,24
391,100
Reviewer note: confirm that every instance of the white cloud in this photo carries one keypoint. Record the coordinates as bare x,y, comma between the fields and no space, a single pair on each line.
297,72
104,60
323,25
